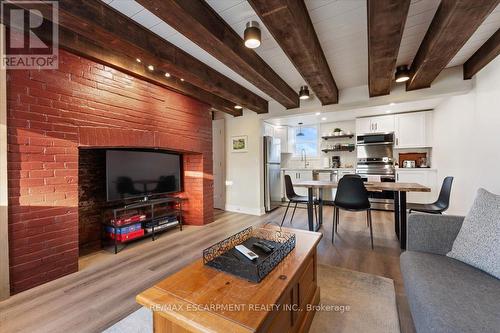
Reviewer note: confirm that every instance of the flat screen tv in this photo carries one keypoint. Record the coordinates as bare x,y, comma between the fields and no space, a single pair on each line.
138,174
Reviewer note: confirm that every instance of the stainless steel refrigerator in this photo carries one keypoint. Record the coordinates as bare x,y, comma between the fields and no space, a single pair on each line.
272,173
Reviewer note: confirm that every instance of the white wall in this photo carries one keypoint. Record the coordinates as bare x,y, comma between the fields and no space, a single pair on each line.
244,171
467,139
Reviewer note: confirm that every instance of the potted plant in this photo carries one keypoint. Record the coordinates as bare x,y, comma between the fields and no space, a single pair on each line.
337,132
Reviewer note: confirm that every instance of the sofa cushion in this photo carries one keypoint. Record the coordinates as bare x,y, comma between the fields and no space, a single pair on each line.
478,241
446,295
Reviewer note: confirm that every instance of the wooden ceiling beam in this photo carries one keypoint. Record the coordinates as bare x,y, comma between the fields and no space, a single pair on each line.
123,62
386,22
105,26
453,24
196,20
486,53
289,23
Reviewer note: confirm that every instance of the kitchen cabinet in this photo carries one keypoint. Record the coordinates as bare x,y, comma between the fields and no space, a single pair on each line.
297,176
413,130
363,125
285,135
426,177
268,129
380,124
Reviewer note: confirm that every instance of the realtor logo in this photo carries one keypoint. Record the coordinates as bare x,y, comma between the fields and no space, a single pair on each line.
31,40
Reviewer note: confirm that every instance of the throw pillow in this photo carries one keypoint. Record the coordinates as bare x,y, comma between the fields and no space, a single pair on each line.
478,241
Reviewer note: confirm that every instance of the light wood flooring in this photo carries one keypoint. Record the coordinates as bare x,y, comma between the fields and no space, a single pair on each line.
103,291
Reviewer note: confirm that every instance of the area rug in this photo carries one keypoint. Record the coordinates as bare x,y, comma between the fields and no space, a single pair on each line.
350,302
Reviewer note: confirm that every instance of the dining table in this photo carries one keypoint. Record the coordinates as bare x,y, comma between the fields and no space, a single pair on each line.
399,189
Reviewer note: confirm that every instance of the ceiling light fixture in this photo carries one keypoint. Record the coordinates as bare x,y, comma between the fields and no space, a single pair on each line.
167,74
238,107
304,92
151,67
182,79
392,103
300,130
324,118
138,60
252,35
402,74
318,113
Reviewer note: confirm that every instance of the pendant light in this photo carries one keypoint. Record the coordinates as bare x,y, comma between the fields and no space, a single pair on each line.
304,92
252,35
300,130
402,74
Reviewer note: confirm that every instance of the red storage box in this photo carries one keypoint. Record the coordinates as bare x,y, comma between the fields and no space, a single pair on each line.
127,237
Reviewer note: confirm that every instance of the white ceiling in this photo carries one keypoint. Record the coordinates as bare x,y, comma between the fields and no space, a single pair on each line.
341,26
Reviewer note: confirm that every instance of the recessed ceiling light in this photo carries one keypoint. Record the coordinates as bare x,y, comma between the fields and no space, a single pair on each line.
402,74
138,60
182,79
392,103
238,107
151,67
323,118
388,111
167,74
318,113
252,35
304,92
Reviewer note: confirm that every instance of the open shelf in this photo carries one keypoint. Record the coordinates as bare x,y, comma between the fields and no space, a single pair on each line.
337,136
350,149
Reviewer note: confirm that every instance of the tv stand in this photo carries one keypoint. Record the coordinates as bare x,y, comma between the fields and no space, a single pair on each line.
142,219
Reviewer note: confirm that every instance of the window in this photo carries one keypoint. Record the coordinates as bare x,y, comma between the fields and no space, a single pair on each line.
308,142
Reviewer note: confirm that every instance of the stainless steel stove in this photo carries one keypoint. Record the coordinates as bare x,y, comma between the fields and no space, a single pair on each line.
375,161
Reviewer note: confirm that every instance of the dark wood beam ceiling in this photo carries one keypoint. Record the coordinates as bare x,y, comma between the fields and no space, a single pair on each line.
289,23
196,20
386,22
103,25
453,24
112,57
486,53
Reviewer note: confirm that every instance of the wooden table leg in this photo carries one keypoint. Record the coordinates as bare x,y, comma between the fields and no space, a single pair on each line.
310,209
396,213
402,218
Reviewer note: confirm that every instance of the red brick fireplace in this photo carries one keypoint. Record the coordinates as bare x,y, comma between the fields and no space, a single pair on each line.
53,113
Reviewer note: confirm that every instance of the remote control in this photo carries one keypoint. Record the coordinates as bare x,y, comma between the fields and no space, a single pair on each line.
262,247
246,252
266,243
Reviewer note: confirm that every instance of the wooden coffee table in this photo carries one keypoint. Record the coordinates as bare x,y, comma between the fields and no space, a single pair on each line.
201,299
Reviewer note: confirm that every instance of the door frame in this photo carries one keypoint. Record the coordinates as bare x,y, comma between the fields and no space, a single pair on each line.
218,144
4,227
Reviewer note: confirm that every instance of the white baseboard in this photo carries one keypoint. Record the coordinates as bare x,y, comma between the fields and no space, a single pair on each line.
245,210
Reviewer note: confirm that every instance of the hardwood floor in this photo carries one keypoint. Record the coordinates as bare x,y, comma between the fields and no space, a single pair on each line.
104,289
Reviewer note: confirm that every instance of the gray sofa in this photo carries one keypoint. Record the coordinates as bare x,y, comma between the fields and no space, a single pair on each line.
446,295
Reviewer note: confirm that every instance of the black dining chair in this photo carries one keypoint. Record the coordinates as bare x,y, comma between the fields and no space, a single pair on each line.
295,198
351,196
440,205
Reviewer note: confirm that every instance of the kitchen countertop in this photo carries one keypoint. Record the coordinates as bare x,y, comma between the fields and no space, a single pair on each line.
317,169
415,169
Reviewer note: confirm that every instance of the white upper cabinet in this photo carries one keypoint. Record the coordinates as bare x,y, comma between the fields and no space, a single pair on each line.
268,129
383,124
283,133
363,125
413,130
380,124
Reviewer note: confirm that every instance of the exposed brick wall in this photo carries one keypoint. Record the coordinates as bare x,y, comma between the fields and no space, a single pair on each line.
85,104
91,198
